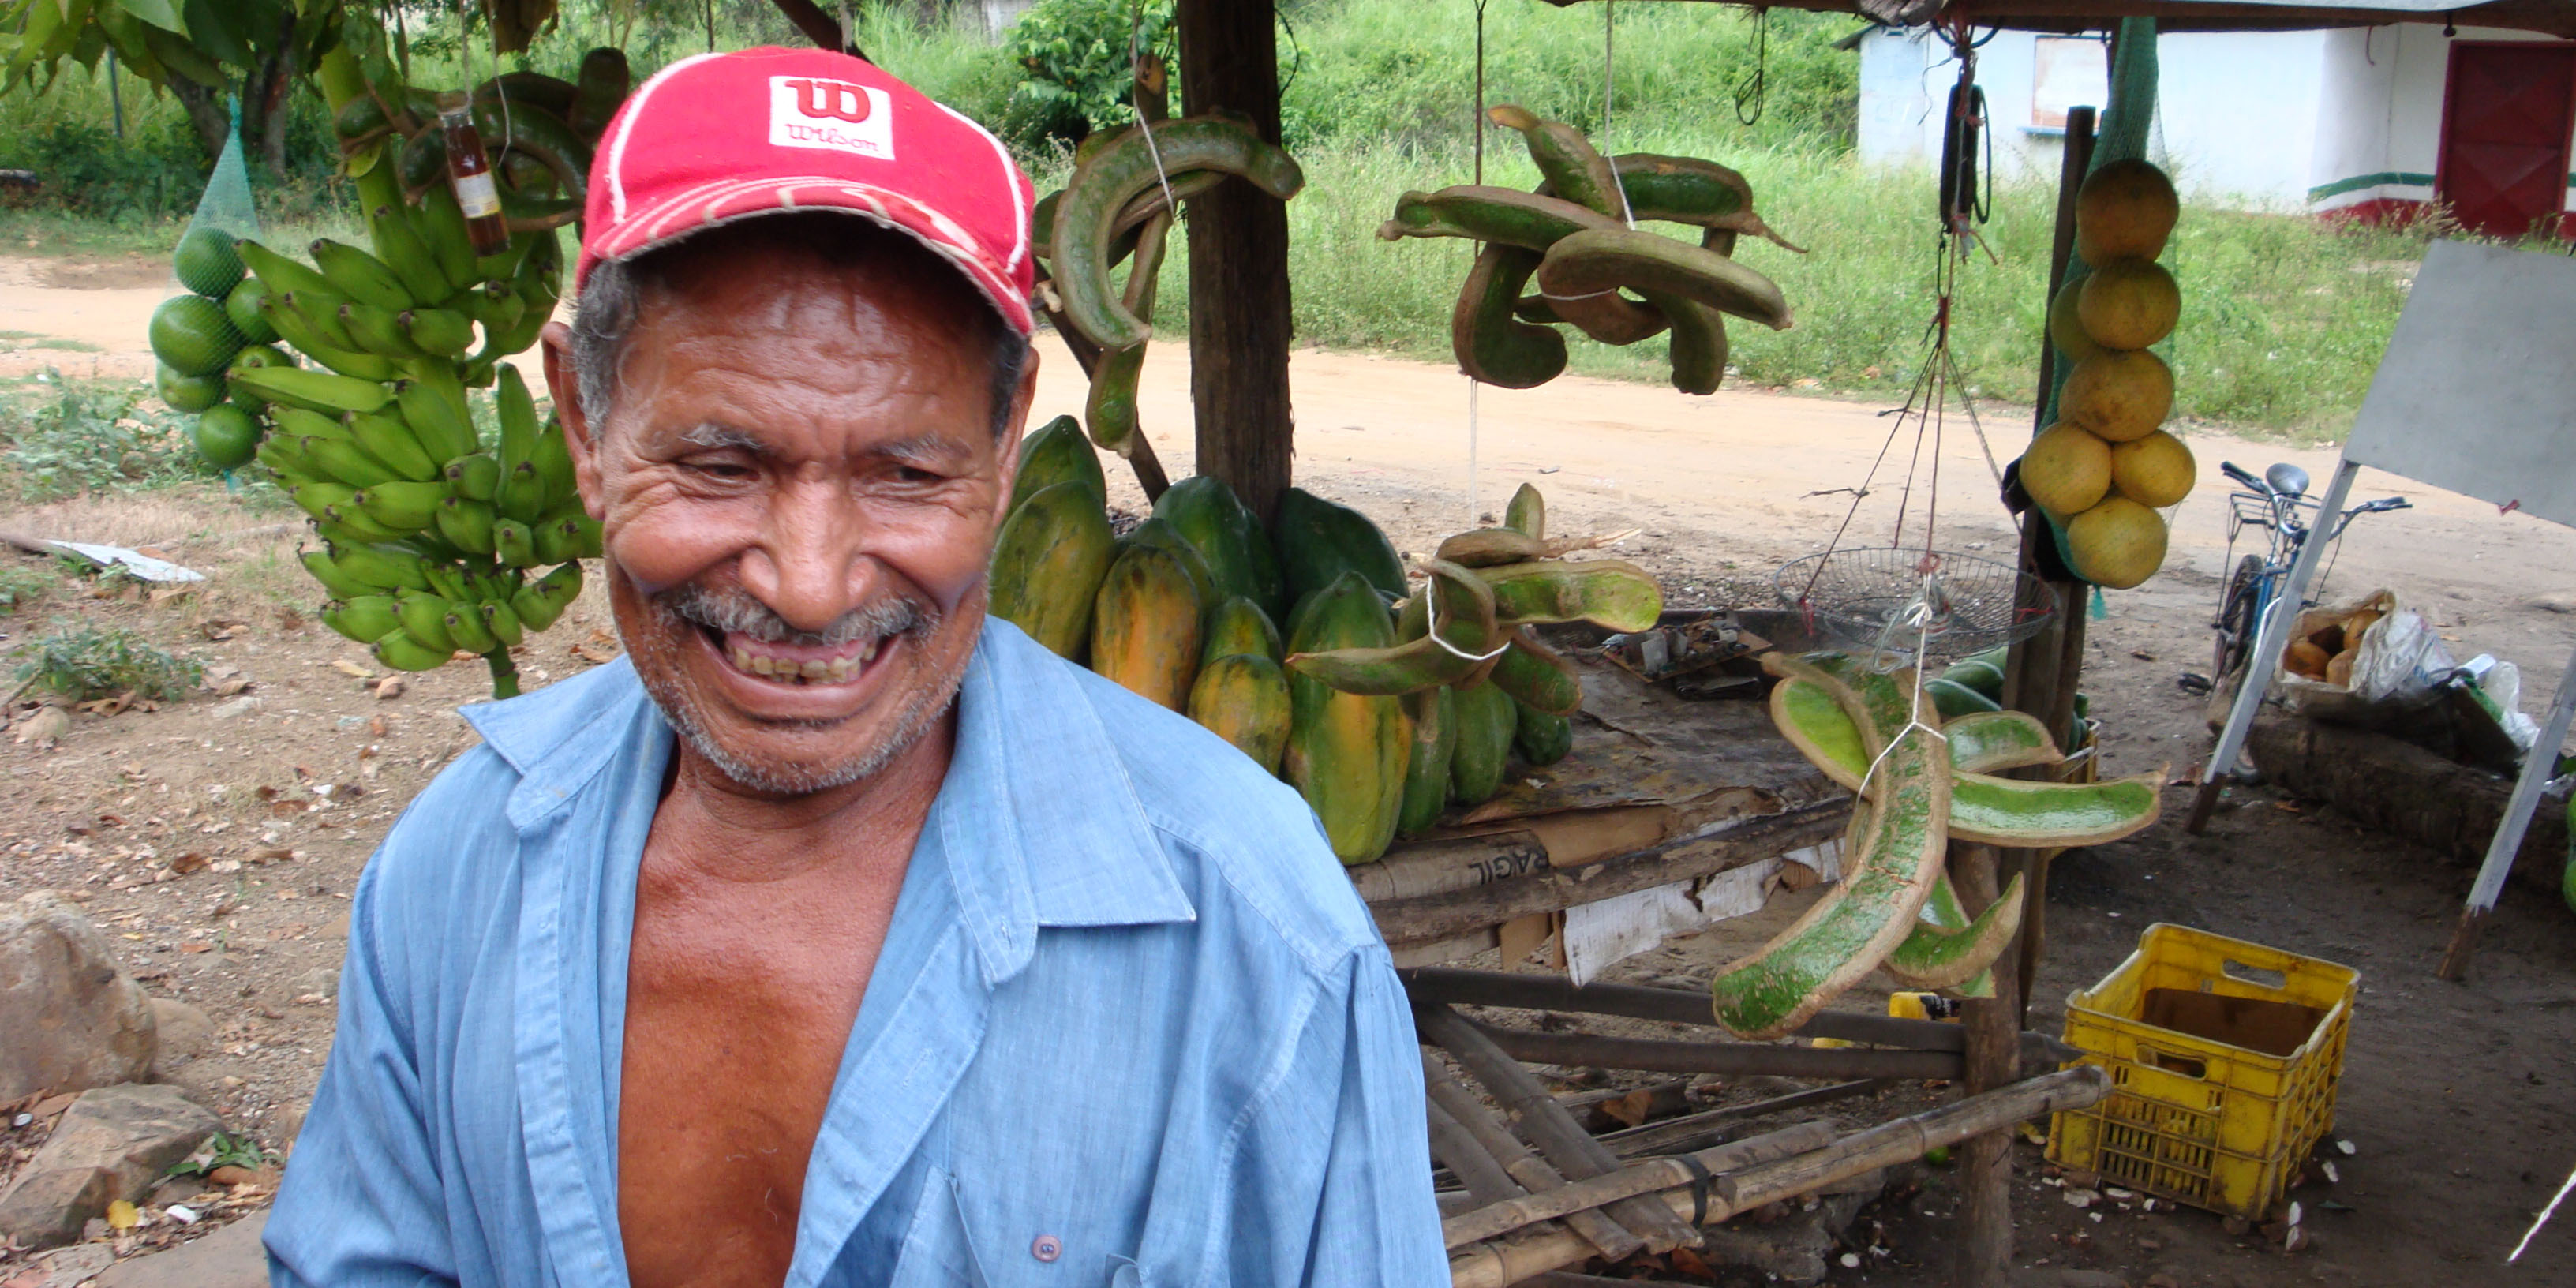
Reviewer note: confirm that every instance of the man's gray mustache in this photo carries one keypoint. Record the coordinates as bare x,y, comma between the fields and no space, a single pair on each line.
732,609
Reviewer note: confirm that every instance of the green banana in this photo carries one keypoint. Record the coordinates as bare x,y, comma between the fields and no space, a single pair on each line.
433,404
1102,186
342,584
513,544
465,625
365,618
388,439
517,412
446,580
352,524
378,331
477,476
401,248
555,542
540,602
285,459
403,653
466,524
503,622
403,505
442,226
553,459
444,333
279,273
320,313
424,618
299,422
318,497
341,461
360,276
494,305
296,330
379,569
320,391
523,493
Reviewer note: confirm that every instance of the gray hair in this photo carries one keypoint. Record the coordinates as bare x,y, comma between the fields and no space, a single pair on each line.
612,303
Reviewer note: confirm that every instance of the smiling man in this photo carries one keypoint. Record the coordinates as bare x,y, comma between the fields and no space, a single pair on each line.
840,935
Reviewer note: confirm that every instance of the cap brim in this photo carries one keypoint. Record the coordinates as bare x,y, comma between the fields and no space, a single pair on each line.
731,201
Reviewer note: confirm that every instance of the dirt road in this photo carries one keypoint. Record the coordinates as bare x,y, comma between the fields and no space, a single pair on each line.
2457,1097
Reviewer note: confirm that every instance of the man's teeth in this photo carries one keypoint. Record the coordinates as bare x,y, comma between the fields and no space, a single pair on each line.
809,671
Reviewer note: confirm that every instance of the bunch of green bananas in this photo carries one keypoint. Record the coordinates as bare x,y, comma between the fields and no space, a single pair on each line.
438,533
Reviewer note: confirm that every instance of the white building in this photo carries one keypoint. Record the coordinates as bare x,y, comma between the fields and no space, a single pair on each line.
2358,122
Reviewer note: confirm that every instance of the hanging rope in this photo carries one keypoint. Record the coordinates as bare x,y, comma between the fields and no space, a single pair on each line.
1627,212
1759,92
1136,100
1476,131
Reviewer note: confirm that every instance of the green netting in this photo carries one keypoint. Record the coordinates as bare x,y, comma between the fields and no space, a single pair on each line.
226,204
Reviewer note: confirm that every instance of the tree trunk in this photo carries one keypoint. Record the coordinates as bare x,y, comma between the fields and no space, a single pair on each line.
205,111
1239,318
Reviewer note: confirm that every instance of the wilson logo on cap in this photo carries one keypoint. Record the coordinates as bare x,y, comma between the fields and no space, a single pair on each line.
811,112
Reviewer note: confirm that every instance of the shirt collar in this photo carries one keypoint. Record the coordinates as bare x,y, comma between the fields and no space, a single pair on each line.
1041,821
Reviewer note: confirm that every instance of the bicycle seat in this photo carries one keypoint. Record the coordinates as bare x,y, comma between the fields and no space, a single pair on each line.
2287,479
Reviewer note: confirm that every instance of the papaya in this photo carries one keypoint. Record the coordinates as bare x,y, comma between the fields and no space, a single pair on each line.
1434,713
1317,541
1216,523
1162,535
1145,626
1243,698
1346,752
1047,566
1984,674
1486,721
1059,452
1541,737
1236,628
1465,636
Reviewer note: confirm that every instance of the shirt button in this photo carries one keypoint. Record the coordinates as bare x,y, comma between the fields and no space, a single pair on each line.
1047,1248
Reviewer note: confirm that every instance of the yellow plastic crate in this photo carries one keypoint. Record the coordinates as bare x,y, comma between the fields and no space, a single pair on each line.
2224,1057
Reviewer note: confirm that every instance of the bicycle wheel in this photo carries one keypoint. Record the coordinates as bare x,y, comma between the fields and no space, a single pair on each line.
2237,618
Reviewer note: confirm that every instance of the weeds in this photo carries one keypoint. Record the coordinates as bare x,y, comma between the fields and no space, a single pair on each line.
60,436
21,586
85,662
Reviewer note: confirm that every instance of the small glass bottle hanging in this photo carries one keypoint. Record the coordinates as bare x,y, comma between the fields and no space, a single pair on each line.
469,172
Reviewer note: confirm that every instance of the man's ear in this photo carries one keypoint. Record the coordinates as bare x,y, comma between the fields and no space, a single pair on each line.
1014,428
564,384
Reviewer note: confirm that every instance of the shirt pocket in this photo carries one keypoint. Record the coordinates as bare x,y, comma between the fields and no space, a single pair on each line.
940,1250
936,1252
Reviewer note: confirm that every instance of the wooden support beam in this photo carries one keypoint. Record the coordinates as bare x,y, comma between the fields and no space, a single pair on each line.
1587,1050
1530,1172
1993,1061
1239,317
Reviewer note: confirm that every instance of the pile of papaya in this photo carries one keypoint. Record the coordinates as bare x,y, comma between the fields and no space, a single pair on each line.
1302,644
1918,781
1117,207
343,374
1579,238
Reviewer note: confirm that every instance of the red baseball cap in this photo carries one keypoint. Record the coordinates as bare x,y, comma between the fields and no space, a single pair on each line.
719,137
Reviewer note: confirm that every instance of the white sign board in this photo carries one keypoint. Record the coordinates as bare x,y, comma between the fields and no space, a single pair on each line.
2478,391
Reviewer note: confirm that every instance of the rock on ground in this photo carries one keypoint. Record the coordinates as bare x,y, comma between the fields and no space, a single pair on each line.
111,1144
74,1020
63,1267
184,1033
229,1258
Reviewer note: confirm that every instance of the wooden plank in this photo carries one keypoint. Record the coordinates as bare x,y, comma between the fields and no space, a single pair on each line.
1595,1229
1993,1061
1239,316
1587,1050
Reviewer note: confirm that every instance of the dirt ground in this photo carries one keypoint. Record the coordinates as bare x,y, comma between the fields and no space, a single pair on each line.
218,850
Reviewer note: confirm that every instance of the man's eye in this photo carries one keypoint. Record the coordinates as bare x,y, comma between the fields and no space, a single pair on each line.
914,475
722,469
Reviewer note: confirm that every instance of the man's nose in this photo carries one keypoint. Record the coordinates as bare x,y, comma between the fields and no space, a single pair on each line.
811,564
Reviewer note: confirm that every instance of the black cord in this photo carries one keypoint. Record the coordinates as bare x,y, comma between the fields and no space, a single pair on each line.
1295,46
1760,90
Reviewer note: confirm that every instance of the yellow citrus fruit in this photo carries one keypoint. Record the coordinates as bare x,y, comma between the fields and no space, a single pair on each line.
2155,471
2064,330
2124,209
2066,470
2128,303
2117,544
2120,394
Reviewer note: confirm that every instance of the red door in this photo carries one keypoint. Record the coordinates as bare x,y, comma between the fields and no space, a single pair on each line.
2505,124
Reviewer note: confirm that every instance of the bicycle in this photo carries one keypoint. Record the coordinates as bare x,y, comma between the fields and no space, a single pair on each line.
2277,503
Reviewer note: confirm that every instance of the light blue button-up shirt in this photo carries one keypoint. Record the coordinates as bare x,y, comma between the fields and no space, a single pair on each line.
1131,1025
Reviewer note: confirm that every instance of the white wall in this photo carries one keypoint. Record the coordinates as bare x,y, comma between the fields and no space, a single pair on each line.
2381,134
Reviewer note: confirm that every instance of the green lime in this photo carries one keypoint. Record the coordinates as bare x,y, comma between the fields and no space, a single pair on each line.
242,307
188,393
191,333
226,436
207,263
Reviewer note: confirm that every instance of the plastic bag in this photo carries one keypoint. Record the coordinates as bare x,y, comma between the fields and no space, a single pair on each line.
2398,661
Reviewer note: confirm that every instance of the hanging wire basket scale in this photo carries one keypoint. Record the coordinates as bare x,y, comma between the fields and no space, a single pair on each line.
1866,599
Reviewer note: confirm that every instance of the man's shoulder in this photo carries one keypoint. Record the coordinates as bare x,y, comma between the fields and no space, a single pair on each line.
1232,831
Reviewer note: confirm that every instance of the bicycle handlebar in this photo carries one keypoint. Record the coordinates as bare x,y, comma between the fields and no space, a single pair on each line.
2234,471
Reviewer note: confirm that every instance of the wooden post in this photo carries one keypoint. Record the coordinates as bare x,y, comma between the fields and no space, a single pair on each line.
2040,674
1993,1061
1239,319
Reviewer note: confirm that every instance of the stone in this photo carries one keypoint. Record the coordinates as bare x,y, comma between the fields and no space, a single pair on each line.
229,1258
2553,601
75,1020
1791,1250
321,982
63,1267
111,1144
185,1033
240,706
